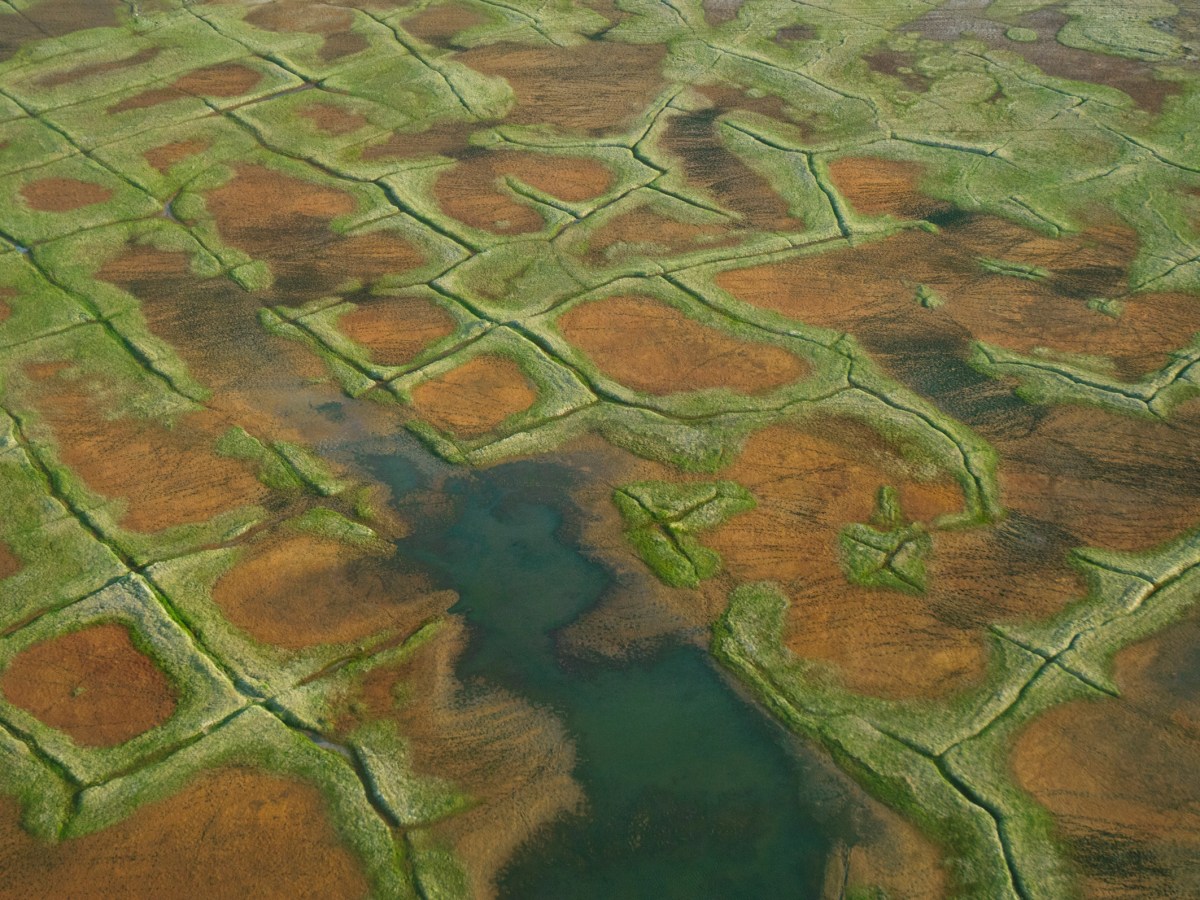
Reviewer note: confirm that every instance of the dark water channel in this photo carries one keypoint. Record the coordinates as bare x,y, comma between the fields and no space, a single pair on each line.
691,791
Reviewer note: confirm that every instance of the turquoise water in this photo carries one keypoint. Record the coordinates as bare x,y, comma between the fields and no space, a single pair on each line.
691,791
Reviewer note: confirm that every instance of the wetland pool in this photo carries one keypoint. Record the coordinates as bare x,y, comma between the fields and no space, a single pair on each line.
690,790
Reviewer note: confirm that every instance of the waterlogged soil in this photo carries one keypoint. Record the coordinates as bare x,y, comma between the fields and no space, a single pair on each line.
514,759
229,833
94,685
266,384
654,348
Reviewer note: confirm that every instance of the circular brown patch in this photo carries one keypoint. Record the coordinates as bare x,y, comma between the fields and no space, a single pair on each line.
92,684
225,80
396,329
476,397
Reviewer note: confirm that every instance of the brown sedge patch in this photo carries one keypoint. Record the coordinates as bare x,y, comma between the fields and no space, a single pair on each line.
476,397
652,347
63,194
229,833
92,684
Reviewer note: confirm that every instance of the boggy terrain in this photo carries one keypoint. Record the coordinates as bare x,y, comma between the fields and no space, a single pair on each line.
470,449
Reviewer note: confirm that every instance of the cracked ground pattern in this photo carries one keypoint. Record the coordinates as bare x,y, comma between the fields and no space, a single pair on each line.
885,313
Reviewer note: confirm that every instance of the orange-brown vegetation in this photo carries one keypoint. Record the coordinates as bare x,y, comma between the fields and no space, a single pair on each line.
92,684
652,347
396,329
299,590
476,397
232,832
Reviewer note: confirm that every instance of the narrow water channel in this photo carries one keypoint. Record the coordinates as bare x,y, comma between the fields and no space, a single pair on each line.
691,791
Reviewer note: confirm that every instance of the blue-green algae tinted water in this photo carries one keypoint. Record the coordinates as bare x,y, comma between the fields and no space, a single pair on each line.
691,791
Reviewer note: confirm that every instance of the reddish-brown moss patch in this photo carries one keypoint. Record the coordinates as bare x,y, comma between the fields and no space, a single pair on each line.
332,23
726,97
447,139
792,33
898,65
268,384
258,200
395,329
643,231
439,24
594,87
91,70
168,476
718,12
63,194
223,80
870,291
162,158
1137,78
570,178
1105,480
302,590
92,684
476,397
10,564
653,347
55,18
809,485
877,187
469,191
1119,776
333,119
285,221
707,163
229,833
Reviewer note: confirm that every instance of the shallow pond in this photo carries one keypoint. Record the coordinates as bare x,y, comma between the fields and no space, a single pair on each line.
690,790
